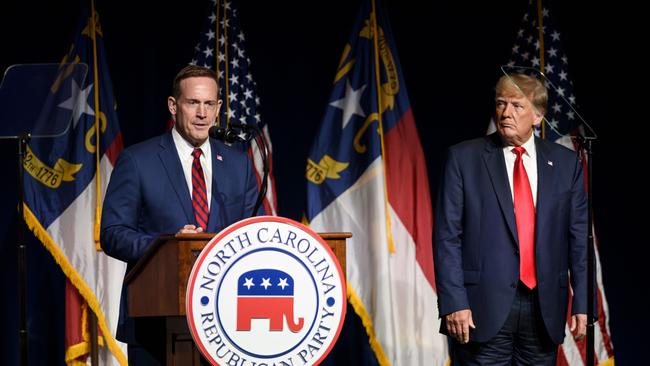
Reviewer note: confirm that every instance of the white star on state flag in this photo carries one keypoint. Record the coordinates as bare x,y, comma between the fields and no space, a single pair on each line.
351,103
78,103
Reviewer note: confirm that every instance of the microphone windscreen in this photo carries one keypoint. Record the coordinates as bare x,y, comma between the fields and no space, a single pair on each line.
216,132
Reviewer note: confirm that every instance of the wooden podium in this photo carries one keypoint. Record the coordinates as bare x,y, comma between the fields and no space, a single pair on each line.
158,282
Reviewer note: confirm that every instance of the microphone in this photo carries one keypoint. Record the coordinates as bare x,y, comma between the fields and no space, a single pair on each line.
223,134
228,134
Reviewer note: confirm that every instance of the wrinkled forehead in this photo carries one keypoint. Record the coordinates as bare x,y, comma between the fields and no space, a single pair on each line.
512,93
198,80
204,87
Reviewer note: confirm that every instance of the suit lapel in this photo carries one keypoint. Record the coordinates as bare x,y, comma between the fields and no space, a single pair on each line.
544,186
496,167
170,160
216,202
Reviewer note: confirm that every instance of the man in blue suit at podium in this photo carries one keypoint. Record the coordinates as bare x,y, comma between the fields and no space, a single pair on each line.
179,182
511,223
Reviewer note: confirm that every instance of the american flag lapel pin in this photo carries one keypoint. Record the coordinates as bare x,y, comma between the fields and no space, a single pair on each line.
219,157
549,163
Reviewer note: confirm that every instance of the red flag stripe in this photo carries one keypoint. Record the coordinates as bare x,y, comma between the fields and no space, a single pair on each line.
409,194
115,148
561,357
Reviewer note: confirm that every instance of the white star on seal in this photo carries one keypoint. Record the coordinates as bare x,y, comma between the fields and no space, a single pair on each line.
283,283
249,283
266,282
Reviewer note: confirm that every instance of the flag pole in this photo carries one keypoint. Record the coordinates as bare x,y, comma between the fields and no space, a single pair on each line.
217,31
375,38
226,78
98,131
22,250
590,257
94,349
540,38
98,195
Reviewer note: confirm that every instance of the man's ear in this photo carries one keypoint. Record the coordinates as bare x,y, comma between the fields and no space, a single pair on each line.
172,105
219,103
538,118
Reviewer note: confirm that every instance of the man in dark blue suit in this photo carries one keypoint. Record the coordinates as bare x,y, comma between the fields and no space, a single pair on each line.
181,181
511,223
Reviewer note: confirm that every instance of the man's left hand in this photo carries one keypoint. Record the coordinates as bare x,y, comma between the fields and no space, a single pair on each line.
190,229
579,321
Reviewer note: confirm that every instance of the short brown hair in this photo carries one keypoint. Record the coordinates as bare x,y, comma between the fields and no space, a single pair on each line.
530,86
192,71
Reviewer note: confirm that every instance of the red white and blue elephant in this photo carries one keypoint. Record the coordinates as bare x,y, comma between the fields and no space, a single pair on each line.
266,294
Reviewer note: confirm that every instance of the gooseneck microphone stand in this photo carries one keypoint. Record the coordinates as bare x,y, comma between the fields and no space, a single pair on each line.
259,137
229,135
586,143
23,139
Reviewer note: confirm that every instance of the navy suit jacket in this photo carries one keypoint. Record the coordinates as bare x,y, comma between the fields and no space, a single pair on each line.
476,247
148,196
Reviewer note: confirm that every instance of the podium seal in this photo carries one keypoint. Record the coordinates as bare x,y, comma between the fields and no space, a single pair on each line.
266,291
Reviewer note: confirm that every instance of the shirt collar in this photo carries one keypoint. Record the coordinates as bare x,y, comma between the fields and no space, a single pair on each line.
529,145
185,148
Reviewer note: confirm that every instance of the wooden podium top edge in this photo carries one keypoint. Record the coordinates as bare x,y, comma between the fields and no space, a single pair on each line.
336,235
203,237
208,236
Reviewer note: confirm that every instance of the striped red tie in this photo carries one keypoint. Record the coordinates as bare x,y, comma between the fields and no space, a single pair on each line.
199,195
525,216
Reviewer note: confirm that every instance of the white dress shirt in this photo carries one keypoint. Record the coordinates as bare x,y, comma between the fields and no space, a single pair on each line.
185,150
530,164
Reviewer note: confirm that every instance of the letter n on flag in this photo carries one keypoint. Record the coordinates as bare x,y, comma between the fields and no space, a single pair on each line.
366,174
64,213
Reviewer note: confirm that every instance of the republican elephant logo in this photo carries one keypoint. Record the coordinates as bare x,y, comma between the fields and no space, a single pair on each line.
266,294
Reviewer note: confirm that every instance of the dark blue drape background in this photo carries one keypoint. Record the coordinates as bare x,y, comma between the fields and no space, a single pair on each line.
450,53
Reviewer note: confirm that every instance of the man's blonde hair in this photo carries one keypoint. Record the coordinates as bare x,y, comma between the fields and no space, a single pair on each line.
530,86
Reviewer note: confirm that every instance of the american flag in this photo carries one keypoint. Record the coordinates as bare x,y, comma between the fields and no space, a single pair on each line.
562,119
561,122
222,48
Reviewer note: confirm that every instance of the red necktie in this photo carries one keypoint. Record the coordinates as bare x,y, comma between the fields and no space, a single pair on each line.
525,216
199,196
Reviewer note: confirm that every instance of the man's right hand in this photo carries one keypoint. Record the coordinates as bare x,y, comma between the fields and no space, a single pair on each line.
190,229
458,324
